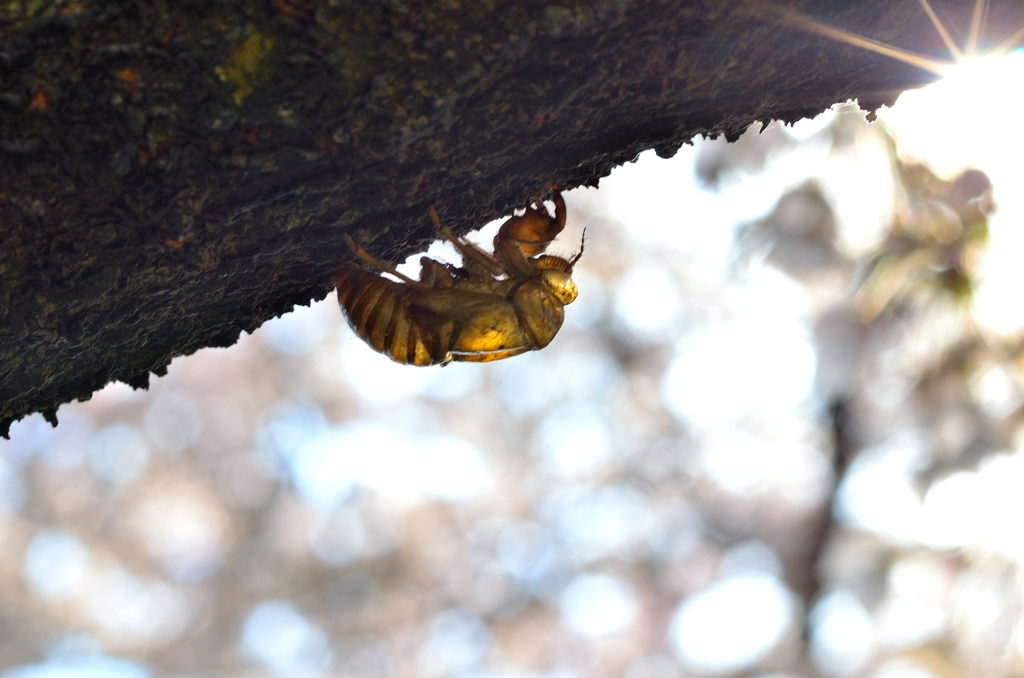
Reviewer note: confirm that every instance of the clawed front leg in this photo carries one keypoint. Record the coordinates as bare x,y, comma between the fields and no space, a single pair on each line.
535,229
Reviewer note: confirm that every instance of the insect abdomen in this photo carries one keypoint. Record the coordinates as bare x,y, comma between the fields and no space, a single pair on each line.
381,312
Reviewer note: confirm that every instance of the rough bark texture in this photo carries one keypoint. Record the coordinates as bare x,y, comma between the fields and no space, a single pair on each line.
172,173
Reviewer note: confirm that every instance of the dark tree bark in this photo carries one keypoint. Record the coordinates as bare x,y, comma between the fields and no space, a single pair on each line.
172,173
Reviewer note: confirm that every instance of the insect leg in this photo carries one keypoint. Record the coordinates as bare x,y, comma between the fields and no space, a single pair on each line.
583,241
516,262
378,264
559,210
534,229
468,249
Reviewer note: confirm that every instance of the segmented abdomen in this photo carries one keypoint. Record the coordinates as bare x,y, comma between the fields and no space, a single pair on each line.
381,312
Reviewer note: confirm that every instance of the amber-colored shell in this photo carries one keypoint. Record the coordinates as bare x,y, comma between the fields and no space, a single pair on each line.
381,312
496,307
534,230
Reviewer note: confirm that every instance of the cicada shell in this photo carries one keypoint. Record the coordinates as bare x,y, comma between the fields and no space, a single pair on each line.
496,305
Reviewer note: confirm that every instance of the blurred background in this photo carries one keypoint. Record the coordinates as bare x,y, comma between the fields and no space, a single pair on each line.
780,434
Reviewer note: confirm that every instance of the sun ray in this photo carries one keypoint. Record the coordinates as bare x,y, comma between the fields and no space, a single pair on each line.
954,49
1011,43
921,61
978,18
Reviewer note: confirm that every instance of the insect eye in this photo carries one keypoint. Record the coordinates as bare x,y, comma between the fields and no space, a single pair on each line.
560,284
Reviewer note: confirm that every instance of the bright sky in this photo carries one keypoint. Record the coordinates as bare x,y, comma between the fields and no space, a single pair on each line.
971,118
967,119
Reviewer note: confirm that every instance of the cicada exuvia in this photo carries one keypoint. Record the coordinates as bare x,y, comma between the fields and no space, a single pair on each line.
495,305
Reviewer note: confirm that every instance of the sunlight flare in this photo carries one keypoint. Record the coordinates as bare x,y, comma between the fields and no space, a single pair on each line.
940,67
